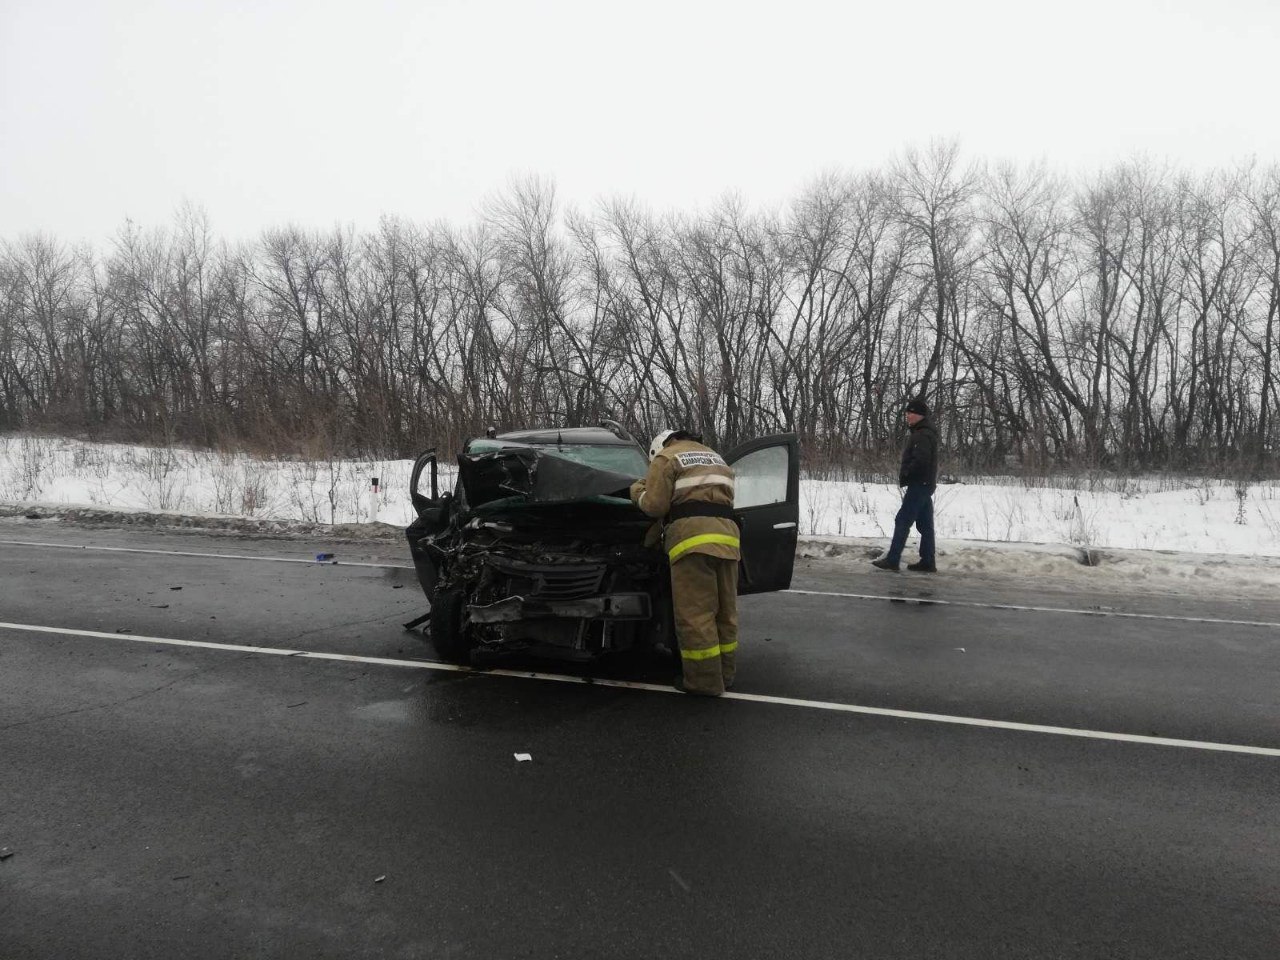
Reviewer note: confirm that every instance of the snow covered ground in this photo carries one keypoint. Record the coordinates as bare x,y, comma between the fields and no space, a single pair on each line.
59,471
1150,513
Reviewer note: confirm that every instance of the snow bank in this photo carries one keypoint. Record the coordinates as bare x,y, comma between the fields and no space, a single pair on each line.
1077,568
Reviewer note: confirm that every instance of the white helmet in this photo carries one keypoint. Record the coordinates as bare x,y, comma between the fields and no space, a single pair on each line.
659,441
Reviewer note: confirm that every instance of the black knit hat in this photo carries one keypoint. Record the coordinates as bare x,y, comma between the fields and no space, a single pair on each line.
917,405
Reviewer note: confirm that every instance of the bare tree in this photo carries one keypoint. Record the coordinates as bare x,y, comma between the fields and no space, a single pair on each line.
1130,318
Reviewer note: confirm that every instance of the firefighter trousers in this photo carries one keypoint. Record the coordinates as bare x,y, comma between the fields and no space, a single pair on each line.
704,592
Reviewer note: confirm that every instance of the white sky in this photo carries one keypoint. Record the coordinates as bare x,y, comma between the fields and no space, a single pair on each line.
314,112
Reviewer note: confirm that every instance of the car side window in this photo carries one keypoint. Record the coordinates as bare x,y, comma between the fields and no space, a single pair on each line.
761,478
423,488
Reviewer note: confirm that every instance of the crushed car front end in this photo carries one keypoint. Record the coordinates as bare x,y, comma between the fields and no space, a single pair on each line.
525,586
540,551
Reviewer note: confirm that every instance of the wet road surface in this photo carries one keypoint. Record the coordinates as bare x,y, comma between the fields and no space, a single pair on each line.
165,800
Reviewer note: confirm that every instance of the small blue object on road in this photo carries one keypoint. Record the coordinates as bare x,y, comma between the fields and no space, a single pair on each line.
324,557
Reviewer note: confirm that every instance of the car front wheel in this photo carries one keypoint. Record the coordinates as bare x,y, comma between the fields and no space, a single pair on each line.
447,635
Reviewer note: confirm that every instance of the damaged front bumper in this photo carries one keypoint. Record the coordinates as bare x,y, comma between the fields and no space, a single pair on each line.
610,606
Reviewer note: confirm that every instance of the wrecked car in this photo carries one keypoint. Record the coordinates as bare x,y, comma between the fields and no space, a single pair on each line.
538,548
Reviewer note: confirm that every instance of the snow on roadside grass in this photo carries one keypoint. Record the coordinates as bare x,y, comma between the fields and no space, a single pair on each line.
158,478
1195,516
1151,513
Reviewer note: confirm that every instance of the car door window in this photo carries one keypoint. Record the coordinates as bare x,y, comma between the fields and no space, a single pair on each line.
424,487
766,505
760,478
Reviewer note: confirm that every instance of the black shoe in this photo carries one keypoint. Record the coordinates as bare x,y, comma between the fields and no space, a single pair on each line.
885,564
923,567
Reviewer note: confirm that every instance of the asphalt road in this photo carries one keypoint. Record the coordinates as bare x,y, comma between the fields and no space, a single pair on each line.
164,800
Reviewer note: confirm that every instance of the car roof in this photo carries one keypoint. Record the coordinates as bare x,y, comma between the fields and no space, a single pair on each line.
597,436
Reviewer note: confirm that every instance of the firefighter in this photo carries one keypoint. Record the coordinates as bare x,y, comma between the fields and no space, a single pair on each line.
689,488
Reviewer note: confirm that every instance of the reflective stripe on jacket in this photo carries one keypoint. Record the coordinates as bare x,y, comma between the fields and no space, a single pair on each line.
688,472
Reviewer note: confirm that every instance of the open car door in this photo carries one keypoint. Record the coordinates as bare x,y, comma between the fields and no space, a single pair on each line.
424,493
767,506
432,518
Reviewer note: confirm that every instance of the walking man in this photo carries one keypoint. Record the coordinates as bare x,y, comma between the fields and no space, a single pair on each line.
919,476
690,487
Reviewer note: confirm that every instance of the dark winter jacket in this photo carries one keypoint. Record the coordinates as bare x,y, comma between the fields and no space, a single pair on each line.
920,456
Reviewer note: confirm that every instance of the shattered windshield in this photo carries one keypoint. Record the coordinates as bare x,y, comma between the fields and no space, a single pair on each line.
493,470
615,459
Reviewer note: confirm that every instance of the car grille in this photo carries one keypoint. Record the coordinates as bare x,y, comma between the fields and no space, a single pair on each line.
552,581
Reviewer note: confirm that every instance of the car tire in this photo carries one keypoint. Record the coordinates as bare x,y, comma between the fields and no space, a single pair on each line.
447,636
661,638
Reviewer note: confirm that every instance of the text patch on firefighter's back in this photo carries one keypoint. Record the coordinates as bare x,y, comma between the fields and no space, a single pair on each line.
700,460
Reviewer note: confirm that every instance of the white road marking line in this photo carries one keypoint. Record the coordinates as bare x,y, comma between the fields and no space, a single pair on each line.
663,688
987,605
210,556
977,604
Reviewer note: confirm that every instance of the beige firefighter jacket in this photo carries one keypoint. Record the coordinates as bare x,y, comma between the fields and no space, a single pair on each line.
683,472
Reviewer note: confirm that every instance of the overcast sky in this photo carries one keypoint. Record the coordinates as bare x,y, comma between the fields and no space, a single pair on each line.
266,112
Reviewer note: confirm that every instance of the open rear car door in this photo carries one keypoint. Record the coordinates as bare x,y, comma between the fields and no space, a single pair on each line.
767,506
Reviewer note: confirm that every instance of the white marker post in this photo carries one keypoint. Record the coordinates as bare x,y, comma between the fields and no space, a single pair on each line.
373,500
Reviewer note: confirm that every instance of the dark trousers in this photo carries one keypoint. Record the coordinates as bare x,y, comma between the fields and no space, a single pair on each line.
917,508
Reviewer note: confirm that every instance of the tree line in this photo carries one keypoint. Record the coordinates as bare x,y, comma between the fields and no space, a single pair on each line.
1125,319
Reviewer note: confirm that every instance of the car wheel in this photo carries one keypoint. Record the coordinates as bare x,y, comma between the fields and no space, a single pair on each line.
447,636
661,635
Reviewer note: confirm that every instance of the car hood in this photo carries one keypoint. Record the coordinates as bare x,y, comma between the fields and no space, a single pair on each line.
534,476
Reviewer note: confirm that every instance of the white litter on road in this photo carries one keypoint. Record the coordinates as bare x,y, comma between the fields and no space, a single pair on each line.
662,688
522,757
